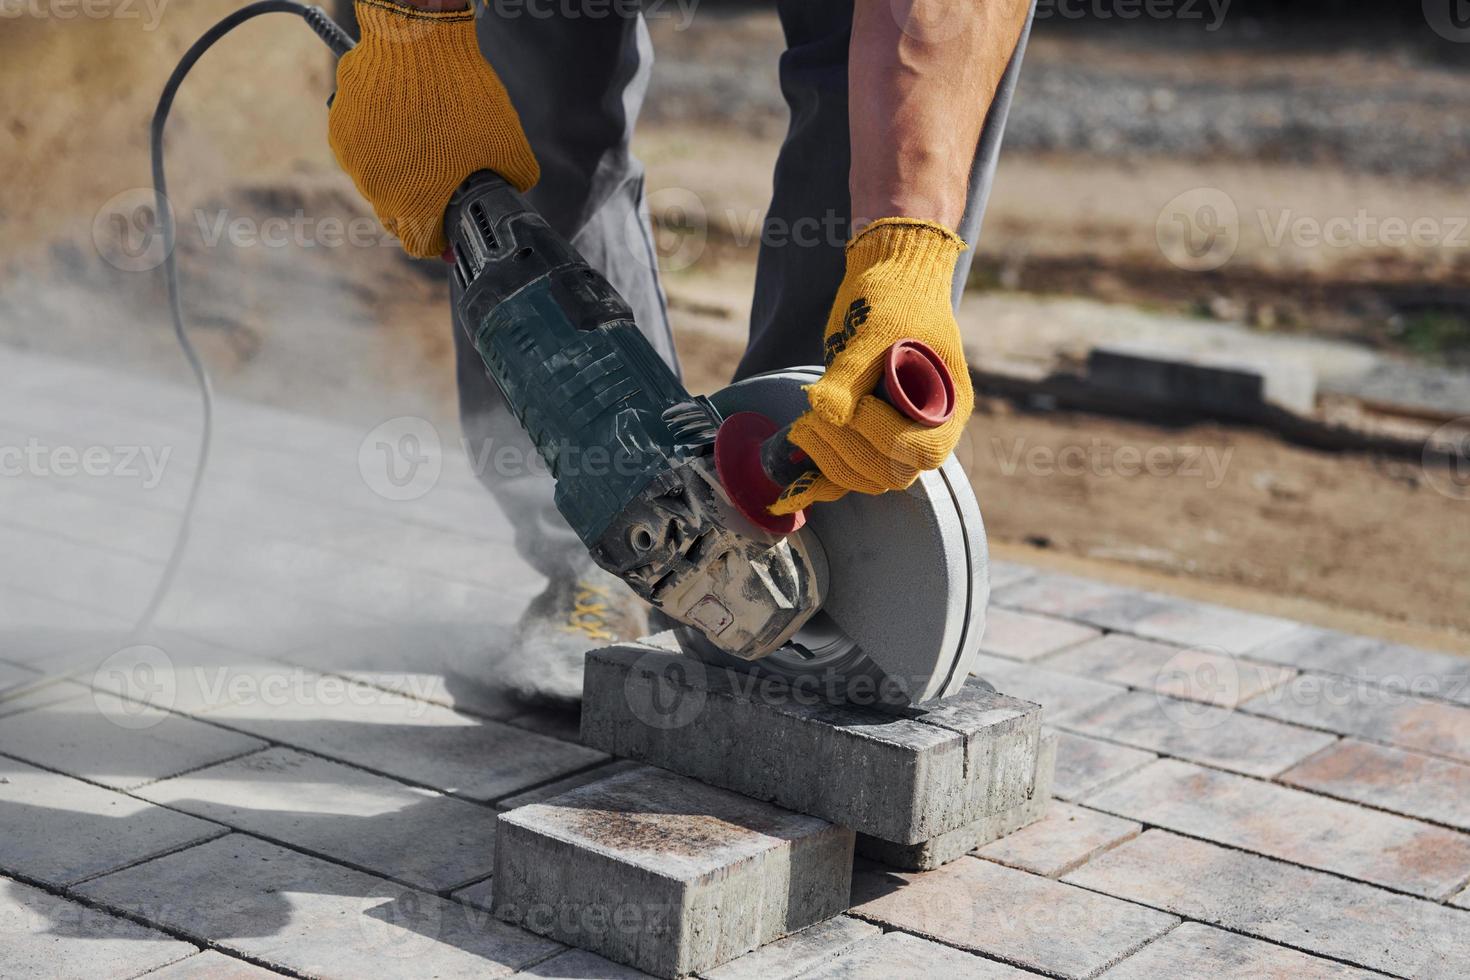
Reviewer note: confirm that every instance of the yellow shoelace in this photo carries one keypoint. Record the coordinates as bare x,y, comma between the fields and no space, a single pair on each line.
587,613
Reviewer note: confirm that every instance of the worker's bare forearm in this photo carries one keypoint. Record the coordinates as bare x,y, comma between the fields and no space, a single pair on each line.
919,88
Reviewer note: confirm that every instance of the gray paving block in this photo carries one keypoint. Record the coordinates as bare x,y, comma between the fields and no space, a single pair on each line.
1064,838
1087,764
560,786
799,952
43,935
578,964
59,830
414,835
1200,952
1309,910
904,779
938,851
212,965
1026,636
312,917
666,874
898,954
1060,694
124,744
1440,676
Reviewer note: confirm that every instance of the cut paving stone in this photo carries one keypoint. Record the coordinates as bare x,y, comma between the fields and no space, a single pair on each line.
793,956
899,955
1191,673
1085,765
1370,712
1293,825
1199,732
902,779
342,813
1035,922
120,743
1438,676
666,874
1309,910
1060,694
1410,783
210,965
938,851
1199,952
312,917
1026,636
59,830
43,935
1065,838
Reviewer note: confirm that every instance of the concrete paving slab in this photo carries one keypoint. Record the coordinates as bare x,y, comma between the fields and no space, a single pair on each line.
1064,838
114,741
798,953
1190,623
60,830
1426,673
1035,922
666,874
309,916
1370,712
1192,673
1200,952
1060,694
1026,636
556,788
45,935
1200,733
37,626
1410,783
1309,910
413,835
1295,826
1086,600
1085,765
900,779
898,954
212,965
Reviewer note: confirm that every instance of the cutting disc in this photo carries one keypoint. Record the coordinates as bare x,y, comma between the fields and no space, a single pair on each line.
905,604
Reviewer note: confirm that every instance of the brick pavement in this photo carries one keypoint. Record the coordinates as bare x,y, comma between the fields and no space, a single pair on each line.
302,775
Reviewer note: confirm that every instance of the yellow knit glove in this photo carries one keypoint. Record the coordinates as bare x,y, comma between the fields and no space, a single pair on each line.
897,286
417,111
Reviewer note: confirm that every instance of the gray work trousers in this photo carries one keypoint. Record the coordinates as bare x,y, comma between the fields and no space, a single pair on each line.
578,83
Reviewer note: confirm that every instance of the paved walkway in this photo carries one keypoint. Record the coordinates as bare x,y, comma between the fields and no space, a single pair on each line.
299,773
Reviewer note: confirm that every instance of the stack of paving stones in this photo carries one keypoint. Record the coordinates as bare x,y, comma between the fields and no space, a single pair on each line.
745,831
306,783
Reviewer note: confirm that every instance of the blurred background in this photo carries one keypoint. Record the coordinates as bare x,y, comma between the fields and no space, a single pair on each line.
1219,315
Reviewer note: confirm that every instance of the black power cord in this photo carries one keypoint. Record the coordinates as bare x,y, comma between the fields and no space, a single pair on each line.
340,42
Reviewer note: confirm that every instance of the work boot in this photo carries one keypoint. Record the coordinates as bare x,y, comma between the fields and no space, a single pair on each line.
573,615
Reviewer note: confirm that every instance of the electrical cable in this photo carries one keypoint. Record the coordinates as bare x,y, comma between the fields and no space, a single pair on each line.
340,42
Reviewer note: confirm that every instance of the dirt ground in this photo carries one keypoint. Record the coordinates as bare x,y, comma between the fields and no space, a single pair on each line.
350,331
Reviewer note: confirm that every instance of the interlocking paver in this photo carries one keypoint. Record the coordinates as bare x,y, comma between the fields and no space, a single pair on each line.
1026,636
1199,732
59,830
799,952
1189,623
1085,765
310,916
121,743
1071,597
212,965
1193,673
44,935
1036,922
1441,676
897,954
1309,910
1064,838
1405,782
414,835
1200,952
1293,825
1371,712
1059,694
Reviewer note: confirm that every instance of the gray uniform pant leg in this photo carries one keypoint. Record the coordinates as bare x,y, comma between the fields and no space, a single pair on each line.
577,83
801,260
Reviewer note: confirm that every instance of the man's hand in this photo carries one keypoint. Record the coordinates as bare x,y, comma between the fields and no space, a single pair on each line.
418,110
897,287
